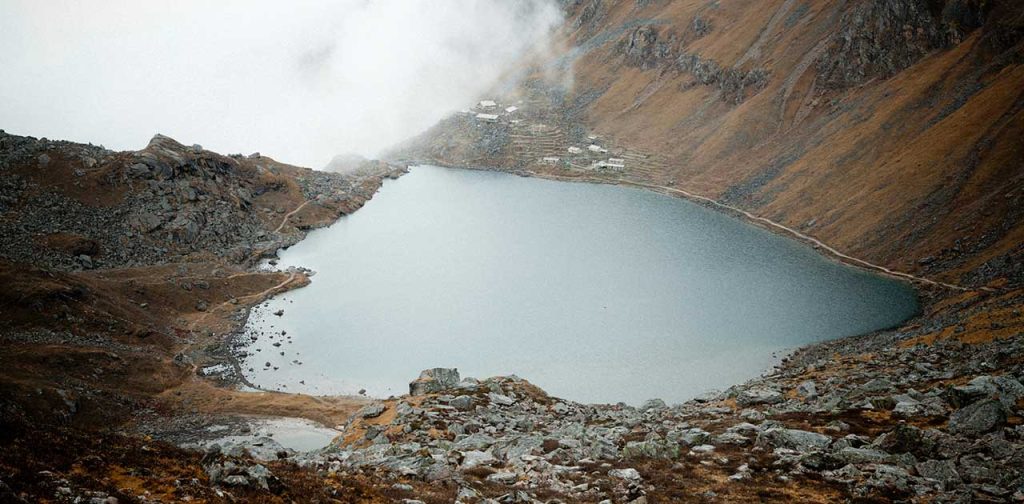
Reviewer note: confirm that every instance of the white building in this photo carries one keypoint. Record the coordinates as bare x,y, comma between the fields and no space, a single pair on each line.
487,117
596,148
550,159
575,150
616,161
487,104
608,165
511,109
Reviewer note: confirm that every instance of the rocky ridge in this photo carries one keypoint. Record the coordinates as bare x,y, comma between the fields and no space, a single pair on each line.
165,203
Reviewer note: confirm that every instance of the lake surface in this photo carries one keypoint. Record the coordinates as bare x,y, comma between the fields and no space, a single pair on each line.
595,293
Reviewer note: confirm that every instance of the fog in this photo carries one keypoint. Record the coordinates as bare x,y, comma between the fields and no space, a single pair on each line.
300,81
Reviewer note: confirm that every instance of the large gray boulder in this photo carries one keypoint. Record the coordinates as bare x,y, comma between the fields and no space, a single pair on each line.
793,439
1006,389
943,471
432,381
757,395
978,418
653,404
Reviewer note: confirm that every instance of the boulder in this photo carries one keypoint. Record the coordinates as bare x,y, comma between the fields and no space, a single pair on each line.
755,395
1005,389
503,477
793,439
906,406
807,389
628,474
652,404
943,471
371,411
500,399
462,402
852,455
432,381
978,418
138,170
475,458
890,478
846,474
689,437
903,439
654,447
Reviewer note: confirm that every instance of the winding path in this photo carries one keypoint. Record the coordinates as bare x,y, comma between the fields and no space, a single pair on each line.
289,214
801,236
259,295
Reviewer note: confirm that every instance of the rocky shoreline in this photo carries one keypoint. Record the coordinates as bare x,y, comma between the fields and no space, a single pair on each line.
926,422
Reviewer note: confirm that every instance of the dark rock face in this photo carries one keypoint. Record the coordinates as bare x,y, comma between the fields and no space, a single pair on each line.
963,16
645,48
878,38
648,48
592,12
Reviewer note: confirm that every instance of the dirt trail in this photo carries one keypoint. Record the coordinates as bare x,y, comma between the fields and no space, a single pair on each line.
289,214
801,236
258,295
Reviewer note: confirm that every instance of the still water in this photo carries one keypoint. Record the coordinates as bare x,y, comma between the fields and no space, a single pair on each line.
595,293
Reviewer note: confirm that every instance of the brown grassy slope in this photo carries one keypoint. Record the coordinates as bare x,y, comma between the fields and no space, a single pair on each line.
925,162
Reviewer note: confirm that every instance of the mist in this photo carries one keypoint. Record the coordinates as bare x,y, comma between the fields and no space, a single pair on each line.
299,81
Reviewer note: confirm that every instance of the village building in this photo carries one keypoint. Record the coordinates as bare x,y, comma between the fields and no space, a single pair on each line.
487,117
487,104
575,150
608,165
511,109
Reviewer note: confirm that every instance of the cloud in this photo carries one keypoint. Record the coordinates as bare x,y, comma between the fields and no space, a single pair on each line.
300,81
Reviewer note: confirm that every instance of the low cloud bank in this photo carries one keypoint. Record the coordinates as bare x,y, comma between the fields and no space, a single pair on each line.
300,81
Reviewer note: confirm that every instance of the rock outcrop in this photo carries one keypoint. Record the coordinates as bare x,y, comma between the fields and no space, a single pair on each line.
432,381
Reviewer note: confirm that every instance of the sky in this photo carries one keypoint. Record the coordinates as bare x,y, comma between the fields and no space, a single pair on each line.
301,81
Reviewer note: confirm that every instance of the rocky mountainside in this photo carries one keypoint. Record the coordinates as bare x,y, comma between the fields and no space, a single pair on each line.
71,206
890,130
122,275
